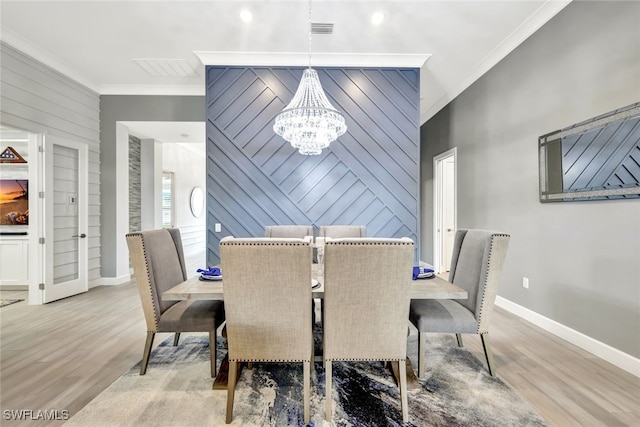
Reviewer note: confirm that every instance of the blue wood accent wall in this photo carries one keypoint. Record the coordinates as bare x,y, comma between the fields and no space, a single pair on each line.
369,176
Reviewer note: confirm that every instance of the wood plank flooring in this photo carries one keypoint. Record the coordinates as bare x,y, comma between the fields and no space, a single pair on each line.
63,354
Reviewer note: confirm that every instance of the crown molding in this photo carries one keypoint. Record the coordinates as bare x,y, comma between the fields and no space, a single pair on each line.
294,59
173,90
536,20
26,47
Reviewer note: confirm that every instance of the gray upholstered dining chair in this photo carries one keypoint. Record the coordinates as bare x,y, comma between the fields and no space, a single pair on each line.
296,232
158,264
366,303
267,306
476,266
341,231
290,231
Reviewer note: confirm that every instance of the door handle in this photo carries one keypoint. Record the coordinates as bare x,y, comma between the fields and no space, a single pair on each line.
449,229
82,236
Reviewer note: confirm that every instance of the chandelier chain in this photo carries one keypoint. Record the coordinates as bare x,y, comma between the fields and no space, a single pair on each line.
309,122
309,33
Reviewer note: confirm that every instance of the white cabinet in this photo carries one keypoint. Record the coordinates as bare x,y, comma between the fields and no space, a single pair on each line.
14,261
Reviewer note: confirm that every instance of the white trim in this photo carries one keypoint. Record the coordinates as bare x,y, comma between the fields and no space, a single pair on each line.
319,59
168,90
110,281
271,59
25,46
36,228
612,355
532,24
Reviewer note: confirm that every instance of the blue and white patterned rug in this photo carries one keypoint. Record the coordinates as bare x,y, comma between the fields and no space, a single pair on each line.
176,391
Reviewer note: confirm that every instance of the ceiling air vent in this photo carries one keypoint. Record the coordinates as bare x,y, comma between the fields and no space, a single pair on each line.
322,28
167,67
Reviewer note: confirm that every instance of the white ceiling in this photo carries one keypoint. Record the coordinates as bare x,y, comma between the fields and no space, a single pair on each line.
106,45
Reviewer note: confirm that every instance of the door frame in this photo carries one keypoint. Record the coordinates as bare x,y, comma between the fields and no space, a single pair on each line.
438,205
36,227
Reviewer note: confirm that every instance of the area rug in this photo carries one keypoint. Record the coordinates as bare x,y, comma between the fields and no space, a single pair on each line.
176,391
5,302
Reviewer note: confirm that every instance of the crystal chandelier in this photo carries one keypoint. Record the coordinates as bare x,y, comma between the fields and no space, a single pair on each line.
310,123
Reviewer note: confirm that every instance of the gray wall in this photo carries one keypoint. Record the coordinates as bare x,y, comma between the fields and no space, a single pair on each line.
582,258
38,99
114,109
369,176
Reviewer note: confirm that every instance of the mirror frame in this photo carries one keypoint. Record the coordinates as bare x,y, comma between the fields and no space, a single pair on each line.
551,153
196,201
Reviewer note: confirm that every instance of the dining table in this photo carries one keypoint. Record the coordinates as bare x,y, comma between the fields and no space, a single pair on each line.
196,289
212,288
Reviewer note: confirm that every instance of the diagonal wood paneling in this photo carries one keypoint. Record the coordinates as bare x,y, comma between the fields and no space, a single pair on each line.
369,176
603,157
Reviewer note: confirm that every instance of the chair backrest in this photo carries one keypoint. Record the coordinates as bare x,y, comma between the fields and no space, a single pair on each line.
158,265
366,298
288,231
342,231
267,298
476,266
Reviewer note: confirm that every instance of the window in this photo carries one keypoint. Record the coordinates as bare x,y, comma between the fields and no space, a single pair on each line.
167,199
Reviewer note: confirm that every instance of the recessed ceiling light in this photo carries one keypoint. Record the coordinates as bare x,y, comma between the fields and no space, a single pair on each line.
246,15
377,18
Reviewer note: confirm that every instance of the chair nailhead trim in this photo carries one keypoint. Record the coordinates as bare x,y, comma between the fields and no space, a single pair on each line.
232,243
269,360
146,265
360,359
482,303
369,243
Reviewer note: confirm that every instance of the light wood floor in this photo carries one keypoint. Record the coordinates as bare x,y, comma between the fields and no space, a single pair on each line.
63,354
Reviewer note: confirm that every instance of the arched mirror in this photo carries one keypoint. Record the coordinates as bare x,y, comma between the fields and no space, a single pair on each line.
196,201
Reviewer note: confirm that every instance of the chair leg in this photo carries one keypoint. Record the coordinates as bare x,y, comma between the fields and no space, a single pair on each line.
231,388
176,339
459,338
307,389
403,390
328,403
487,353
147,351
422,347
213,352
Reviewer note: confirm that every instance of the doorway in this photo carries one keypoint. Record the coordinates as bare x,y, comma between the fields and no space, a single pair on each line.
445,209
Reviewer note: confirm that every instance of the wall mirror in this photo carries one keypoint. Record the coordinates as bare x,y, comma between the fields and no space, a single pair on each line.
597,159
196,201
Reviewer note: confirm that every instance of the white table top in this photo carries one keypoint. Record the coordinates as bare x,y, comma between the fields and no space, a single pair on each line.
196,289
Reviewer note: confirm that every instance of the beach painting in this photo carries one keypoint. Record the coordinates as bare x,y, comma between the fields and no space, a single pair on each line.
14,202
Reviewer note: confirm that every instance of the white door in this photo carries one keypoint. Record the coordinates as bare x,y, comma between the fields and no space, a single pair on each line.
65,218
444,209
448,212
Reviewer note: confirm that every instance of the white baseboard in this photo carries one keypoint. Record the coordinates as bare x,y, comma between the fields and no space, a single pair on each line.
612,355
110,281
14,287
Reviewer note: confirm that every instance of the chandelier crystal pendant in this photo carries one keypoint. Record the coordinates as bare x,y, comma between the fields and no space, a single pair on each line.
310,123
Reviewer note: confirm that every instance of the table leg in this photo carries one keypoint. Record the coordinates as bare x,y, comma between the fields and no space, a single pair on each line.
412,379
222,379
